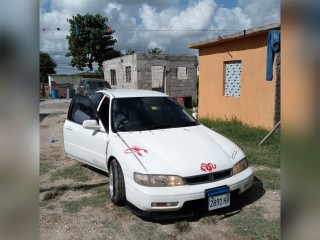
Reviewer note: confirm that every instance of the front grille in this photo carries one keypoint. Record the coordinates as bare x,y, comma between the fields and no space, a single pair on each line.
209,177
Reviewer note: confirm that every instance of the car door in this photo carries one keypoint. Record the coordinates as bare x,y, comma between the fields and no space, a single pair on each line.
86,145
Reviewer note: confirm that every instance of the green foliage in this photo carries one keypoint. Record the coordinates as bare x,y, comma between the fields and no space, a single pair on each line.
75,172
154,50
99,71
90,41
44,167
251,224
269,178
146,231
248,139
47,66
75,206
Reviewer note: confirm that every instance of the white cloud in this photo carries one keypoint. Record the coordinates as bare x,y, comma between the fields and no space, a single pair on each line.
166,24
261,12
232,19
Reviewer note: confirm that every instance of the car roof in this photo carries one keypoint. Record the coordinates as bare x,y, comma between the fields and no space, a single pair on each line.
124,93
94,80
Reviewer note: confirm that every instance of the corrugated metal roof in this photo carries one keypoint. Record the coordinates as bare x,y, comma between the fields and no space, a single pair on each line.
241,34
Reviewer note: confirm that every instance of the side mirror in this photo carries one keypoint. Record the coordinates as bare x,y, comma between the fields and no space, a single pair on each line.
91,124
195,115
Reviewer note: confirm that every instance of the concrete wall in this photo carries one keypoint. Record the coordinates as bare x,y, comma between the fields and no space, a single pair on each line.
60,79
256,104
120,64
157,72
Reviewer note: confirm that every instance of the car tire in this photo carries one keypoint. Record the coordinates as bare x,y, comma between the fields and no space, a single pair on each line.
116,184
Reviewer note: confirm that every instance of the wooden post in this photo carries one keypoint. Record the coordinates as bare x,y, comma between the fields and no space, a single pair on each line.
269,134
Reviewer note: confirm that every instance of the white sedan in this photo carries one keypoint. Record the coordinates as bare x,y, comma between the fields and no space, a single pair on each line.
158,156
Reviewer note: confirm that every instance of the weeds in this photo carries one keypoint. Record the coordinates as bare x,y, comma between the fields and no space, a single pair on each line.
75,172
44,167
112,226
145,230
182,227
269,178
75,206
56,114
252,225
248,138
51,195
210,220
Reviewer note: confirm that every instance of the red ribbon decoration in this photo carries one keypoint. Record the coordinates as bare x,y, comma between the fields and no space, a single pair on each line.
208,167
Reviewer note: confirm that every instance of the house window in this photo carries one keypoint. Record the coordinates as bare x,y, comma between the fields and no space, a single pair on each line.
182,73
113,77
128,74
232,81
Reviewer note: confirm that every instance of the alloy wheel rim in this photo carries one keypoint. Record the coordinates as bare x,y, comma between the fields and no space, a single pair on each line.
111,182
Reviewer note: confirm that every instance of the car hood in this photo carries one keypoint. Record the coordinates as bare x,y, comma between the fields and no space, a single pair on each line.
182,151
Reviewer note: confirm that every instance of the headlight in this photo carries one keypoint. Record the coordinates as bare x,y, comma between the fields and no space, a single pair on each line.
152,180
240,166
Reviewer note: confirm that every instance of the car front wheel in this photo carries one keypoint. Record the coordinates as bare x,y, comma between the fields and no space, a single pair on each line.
116,184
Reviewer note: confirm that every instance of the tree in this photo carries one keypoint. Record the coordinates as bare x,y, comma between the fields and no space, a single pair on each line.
90,41
47,66
154,50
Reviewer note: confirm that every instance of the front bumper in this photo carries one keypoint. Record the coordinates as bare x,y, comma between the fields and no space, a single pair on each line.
142,197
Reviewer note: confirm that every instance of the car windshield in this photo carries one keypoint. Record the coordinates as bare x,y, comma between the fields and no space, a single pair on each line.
148,113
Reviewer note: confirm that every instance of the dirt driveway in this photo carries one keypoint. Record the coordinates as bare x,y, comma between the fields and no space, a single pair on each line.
74,202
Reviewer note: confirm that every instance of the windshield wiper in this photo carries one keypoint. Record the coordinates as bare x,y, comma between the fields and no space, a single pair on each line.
189,124
161,127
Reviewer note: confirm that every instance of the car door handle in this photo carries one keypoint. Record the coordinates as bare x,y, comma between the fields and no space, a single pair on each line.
68,128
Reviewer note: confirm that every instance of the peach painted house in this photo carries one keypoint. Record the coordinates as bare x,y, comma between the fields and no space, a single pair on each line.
232,78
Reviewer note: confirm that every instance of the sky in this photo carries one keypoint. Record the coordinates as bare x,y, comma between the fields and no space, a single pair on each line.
166,24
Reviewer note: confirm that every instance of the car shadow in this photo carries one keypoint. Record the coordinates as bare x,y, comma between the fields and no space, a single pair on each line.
198,210
96,170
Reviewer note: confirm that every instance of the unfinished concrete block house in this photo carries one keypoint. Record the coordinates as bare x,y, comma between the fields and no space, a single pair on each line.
173,75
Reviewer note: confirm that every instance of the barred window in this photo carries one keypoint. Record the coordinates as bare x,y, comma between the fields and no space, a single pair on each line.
232,81
113,77
128,74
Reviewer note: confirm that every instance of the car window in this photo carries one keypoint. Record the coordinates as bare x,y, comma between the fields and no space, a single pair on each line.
81,83
104,84
104,113
148,113
96,98
82,109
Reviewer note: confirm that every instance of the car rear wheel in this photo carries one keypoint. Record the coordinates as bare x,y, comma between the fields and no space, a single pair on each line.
116,184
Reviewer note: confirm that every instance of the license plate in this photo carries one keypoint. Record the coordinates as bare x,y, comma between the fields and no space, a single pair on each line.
218,197
220,201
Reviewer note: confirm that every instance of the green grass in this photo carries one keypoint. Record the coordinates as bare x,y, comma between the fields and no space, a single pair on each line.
269,178
251,224
248,139
112,227
51,195
146,231
74,206
75,172
44,167
56,114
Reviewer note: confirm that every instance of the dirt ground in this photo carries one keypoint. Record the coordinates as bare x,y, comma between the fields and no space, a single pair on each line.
74,202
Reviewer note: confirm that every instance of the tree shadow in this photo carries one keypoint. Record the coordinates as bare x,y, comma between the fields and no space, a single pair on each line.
76,187
196,210
43,116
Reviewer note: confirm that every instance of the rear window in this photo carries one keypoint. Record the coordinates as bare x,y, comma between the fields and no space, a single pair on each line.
91,85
